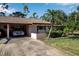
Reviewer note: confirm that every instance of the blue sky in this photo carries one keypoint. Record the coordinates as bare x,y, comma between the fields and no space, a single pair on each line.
41,8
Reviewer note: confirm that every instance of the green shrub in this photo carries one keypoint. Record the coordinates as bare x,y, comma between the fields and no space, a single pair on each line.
55,34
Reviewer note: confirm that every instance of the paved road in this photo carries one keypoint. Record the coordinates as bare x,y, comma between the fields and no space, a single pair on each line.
28,47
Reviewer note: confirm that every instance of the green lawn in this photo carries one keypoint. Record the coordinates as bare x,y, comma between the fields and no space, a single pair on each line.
68,45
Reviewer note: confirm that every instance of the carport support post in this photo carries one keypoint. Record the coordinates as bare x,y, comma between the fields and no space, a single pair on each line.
7,31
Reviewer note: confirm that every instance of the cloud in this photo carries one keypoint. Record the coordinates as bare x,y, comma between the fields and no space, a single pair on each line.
10,11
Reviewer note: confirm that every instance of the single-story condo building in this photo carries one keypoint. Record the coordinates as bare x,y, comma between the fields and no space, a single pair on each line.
15,26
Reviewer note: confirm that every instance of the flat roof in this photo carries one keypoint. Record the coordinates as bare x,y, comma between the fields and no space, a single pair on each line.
18,20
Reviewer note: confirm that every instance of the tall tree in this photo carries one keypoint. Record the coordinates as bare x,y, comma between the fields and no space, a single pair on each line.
26,9
34,15
56,17
4,6
78,8
18,14
72,23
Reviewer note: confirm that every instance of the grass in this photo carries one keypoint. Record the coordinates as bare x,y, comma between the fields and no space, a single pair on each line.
68,45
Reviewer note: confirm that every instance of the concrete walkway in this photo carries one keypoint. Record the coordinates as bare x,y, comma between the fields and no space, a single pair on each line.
28,47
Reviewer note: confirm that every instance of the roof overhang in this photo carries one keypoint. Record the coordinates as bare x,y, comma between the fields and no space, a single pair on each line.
16,20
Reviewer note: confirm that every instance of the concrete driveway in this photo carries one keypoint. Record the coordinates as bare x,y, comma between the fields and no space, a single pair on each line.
28,47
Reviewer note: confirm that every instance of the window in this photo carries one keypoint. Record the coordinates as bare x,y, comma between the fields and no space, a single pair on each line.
41,28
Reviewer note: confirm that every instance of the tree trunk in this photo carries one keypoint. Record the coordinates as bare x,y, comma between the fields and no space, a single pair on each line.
49,32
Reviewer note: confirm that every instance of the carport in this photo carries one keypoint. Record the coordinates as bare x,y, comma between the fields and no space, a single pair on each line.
13,30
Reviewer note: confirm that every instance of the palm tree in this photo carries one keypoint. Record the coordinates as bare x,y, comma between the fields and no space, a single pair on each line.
34,15
26,9
51,19
55,17
72,23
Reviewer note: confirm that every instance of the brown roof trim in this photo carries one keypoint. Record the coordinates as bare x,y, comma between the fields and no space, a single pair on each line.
43,23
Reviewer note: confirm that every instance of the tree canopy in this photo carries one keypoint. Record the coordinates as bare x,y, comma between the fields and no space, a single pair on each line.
18,14
4,6
55,16
34,15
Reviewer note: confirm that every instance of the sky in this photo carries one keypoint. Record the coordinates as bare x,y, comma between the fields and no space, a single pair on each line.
41,8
